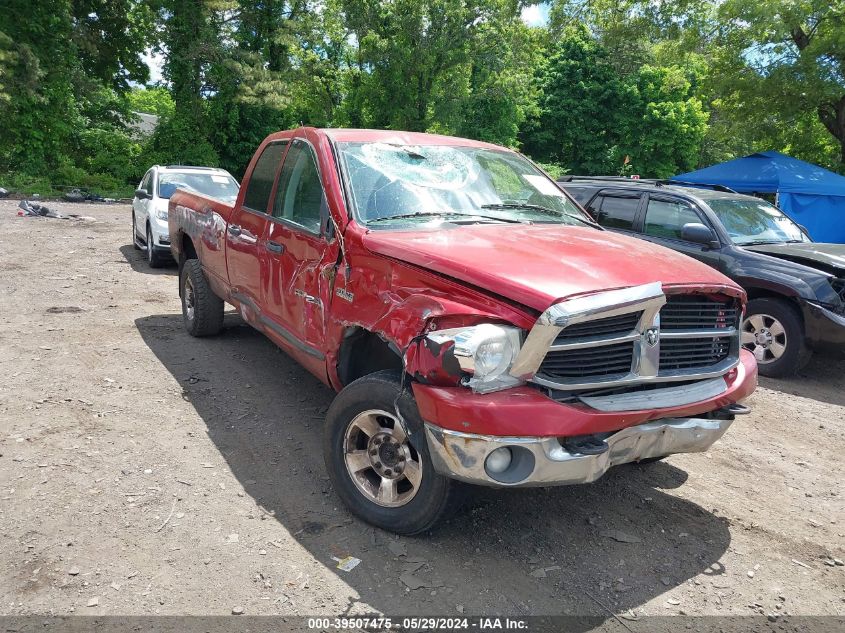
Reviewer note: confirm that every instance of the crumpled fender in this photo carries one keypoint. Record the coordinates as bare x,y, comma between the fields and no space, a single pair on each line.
400,303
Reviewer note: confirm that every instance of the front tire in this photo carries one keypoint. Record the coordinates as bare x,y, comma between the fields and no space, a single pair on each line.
202,310
774,333
382,475
154,258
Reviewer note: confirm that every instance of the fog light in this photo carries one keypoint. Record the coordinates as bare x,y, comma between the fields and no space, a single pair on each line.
499,460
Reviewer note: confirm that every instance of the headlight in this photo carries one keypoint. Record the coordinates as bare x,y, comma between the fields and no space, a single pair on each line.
486,352
161,214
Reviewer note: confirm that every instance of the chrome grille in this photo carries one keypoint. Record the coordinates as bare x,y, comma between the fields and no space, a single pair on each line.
697,312
625,338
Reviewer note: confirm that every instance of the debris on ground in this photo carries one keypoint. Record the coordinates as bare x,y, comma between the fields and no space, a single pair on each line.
83,195
620,536
346,564
237,610
36,209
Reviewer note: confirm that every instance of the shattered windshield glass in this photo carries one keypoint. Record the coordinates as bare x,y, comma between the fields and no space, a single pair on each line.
397,185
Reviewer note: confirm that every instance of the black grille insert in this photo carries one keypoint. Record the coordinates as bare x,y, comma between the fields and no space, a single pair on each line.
693,353
697,312
589,362
616,325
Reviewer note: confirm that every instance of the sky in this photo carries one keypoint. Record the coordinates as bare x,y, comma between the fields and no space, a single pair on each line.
533,15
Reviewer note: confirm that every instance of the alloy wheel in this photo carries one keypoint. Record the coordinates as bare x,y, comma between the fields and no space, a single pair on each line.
381,462
764,336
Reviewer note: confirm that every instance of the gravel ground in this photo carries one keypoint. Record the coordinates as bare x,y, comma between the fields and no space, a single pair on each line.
145,472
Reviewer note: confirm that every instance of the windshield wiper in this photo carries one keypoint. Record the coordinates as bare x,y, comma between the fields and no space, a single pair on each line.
403,216
539,208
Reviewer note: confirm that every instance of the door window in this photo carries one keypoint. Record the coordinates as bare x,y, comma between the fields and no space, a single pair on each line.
147,183
300,197
616,213
261,181
665,218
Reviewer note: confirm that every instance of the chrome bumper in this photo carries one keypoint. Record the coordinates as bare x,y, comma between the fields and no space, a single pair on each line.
542,461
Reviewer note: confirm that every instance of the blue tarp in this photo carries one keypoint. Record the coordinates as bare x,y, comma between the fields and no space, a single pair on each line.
811,195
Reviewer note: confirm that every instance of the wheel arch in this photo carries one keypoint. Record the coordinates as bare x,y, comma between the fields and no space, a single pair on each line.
363,352
768,293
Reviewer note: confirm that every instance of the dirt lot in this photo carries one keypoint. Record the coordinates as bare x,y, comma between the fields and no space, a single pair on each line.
145,472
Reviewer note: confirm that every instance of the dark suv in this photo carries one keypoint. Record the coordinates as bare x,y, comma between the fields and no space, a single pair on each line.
796,287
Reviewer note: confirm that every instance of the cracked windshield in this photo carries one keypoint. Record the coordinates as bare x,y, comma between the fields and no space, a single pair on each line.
397,185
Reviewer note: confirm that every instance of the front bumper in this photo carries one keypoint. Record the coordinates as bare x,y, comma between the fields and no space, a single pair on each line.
161,233
825,330
543,461
527,412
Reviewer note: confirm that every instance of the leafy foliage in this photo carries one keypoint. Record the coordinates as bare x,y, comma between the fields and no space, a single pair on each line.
607,87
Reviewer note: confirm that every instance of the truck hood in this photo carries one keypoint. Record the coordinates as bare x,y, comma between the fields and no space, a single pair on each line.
824,257
537,265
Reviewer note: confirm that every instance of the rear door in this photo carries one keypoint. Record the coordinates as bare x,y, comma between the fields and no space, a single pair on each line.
247,260
664,218
616,210
302,258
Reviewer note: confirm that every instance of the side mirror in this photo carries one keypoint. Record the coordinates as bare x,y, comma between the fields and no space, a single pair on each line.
699,234
804,229
141,194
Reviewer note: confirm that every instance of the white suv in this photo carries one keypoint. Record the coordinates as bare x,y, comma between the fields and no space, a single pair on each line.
149,206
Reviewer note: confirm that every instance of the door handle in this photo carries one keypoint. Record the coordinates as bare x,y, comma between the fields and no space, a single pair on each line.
234,229
275,247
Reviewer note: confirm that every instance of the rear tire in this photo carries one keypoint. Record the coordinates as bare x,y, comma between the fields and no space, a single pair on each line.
135,241
381,475
774,333
202,310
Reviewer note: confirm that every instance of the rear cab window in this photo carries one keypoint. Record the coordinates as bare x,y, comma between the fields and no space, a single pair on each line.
257,195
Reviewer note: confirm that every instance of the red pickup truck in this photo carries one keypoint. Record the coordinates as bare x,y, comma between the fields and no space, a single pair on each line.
479,326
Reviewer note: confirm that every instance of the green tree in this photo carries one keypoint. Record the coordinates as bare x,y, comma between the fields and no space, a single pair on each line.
151,101
664,122
580,107
788,56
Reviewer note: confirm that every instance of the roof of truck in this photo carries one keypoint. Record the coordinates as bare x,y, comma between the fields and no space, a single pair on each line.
343,135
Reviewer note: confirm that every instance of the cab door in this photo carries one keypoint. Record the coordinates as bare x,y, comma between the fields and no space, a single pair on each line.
302,258
246,256
663,220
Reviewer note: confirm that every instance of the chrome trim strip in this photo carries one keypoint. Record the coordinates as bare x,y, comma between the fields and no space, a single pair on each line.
715,333
596,341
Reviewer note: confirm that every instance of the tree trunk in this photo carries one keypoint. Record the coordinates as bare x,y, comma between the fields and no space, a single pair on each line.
832,116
